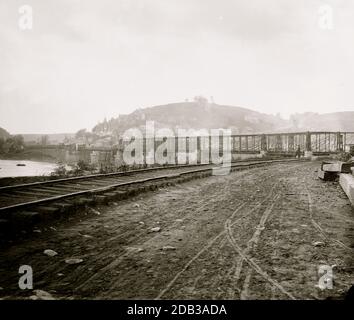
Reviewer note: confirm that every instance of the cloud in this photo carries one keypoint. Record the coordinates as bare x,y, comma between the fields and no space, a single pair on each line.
85,60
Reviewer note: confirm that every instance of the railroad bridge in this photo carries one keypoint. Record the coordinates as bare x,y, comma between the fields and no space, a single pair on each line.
243,146
317,142
253,145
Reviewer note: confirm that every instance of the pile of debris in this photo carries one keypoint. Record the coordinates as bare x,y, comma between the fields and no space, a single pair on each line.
330,171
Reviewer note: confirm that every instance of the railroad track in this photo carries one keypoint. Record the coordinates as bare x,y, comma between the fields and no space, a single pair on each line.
30,203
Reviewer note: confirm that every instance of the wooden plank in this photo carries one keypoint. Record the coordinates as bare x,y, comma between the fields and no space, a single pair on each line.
339,167
31,194
63,206
25,218
60,189
327,176
47,210
347,167
346,181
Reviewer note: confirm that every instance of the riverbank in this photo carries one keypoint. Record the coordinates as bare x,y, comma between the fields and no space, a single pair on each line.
32,155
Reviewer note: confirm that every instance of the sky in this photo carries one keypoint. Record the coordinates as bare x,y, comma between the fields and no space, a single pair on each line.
86,60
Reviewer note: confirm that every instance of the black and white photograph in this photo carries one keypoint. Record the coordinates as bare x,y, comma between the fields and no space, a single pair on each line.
179,150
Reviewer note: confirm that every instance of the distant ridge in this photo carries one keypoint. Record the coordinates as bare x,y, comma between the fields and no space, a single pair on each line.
337,121
204,115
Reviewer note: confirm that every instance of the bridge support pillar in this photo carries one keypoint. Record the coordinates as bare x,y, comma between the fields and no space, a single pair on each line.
279,143
339,141
308,142
291,144
264,143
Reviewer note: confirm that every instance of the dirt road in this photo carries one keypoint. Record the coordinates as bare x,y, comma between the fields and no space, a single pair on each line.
258,234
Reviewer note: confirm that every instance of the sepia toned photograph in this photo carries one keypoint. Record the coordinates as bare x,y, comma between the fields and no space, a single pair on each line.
179,150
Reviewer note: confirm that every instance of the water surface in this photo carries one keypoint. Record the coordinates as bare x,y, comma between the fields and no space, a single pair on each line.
9,168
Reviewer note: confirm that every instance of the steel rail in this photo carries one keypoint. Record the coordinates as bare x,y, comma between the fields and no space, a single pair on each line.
101,175
130,183
113,174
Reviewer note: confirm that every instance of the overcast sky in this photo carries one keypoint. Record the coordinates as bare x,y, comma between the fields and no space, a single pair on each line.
90,59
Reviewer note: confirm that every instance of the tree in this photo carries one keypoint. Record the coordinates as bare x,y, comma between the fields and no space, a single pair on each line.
81,134
201,100
13,144
2,143
66,139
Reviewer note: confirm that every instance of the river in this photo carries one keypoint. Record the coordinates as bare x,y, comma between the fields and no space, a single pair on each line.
9,168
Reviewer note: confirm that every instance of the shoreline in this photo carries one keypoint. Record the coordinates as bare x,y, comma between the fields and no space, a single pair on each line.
29,155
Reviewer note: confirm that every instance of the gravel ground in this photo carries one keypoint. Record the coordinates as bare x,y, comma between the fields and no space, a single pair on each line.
256,234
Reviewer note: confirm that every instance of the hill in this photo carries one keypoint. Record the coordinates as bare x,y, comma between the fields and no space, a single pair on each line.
196,115
4,134
200,114
337,121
